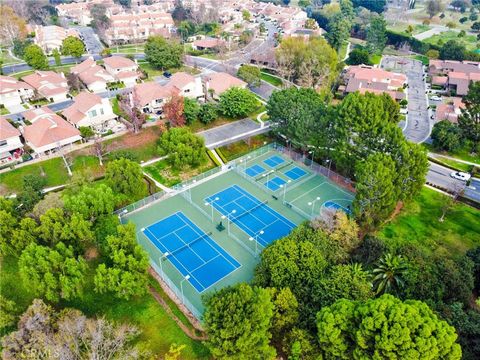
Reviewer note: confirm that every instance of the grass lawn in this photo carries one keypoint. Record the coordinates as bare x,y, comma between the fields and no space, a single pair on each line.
418,224
375,59
275,81
470,41
455,164
342,52
152,72
463,153
6,58
240,148
168,176
4,110
158,330
424,59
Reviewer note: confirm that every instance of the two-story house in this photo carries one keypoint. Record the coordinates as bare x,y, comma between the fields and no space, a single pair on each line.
217,83
92,75
11,147
151,96
188,85
49,84
89,110
122,69
14,92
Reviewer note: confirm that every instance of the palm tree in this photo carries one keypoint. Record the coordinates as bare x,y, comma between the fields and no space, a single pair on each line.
389,274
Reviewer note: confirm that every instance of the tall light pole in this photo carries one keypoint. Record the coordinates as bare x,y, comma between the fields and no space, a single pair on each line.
329,164
211,204
255,237
312,203
228,219
284,186
312,152
164,256
181,287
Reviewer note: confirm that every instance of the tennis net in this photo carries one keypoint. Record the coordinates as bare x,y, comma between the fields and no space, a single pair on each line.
190,243
248,211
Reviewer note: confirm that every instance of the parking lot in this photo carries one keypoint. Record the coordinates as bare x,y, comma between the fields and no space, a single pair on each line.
418,126
90,39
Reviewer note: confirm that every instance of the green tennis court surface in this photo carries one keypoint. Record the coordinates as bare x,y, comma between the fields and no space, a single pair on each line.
208,234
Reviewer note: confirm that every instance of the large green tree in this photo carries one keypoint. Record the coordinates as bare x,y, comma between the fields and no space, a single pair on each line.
162,53
35,57
125,272
375,197
389,274
91,201
453,50
237,102
377,35
54,273
385,328
469,120
183,147
338,30
126,177
237,320
446,136
190,110
73,46
250,74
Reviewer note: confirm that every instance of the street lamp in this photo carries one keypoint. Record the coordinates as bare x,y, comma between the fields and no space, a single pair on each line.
164,256
267,175
211,204
255,237
312,152
284,186
228,219
329,165
312,203
181,287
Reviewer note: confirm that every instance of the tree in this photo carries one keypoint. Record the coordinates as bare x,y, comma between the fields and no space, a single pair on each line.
182,147
377,35
359,56
23,235
433,7
126,177
125,272
91,202
237,320
35,57
376,5
12,27
19,47
237,102
163,54
476,26
86,132
346,8
56,56
32,191
68,334
453,50
54,273
191,110
8,313
385,328
338,31
345,282
246,15
389,274
173,110
446,136
375,198
73,46
469,120
285,312
311,63
208,112
250,74
8,222
433,54
74,82
130,107
100,21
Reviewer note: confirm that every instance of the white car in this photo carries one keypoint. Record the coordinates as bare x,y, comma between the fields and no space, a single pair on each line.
460,175
436,98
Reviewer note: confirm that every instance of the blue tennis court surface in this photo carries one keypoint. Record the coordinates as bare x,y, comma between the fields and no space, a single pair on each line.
295,173
274,161
274,184
251,215
254,170
191,251
334,205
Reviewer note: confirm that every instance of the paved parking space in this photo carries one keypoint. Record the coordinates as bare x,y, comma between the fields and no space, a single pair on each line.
418,126
90,39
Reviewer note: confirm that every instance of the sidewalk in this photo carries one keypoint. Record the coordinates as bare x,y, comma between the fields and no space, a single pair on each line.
440,156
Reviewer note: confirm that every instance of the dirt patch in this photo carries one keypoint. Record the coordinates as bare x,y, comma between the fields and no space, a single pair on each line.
91,253
131,140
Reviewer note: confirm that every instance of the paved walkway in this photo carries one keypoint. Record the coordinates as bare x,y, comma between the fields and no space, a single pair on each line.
440,156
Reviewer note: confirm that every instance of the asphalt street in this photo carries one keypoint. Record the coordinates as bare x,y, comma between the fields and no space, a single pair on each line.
418,126
222,135
90,39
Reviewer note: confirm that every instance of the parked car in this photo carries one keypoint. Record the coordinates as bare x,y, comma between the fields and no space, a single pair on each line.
167,74
460,175
436,98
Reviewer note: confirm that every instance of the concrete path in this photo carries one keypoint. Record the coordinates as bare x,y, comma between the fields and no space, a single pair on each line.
440,156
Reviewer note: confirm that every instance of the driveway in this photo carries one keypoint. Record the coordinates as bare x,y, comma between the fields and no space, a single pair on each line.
418,126
91,40
231,132
15,108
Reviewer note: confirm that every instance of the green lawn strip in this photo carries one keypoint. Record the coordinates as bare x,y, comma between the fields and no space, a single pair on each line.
53,170
4,110
424,59
463,153
375,59
271,79
152,72
240,148
470,41
454,164
418,225
342,52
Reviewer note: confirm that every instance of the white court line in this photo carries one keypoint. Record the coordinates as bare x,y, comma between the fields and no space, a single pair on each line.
308,192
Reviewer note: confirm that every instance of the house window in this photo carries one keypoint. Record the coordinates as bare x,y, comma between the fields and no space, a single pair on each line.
92,113
186,91
101,111
3,142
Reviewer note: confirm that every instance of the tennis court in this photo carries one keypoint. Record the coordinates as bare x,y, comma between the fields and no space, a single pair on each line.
254,217
295,173
191,250
274,161
255,170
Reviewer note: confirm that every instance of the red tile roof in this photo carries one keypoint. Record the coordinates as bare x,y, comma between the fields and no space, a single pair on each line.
220,82
7,130
81,104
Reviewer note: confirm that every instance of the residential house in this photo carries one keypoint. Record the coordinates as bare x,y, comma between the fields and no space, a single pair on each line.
365,78
79,12
454,75
51,37
450,110
49,84
90,110
14,92
92,75
151,96
122,69
265,58
187,85
211,44
48,131
217,83
11,147
138,27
